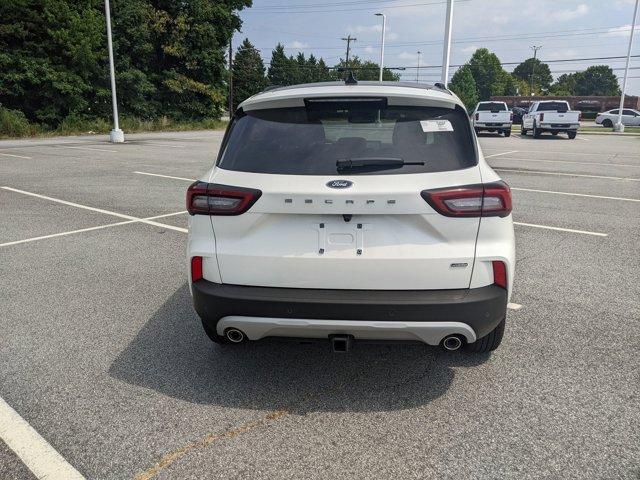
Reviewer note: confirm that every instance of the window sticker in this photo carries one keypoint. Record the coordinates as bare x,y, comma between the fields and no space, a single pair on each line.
436,126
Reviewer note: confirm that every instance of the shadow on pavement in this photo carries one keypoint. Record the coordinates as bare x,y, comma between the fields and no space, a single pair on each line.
172,355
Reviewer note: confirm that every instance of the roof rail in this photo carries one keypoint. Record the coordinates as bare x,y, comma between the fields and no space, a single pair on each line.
271,87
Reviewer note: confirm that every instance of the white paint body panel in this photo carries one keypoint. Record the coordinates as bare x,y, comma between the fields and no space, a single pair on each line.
405,245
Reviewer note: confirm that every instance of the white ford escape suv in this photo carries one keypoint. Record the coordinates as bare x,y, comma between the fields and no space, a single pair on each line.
352,212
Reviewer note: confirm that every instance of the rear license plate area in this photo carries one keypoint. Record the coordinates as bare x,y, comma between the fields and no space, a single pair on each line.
340,238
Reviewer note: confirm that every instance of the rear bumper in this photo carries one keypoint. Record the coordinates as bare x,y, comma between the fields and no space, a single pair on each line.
492,126
380,314
551,127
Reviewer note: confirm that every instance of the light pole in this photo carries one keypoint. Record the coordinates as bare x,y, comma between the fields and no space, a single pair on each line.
418,67
384,27
619,127
447,43
535,49
116,135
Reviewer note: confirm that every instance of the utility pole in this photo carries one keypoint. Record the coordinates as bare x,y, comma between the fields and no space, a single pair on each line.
349,39
116,135
535,49
418,67
384,28
230,77
446,53
619,127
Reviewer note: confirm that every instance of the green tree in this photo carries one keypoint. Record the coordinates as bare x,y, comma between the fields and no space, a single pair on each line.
280,67
597,80
248,73
488,74
170,57
565,85
463,85
540,71
51,55
365,70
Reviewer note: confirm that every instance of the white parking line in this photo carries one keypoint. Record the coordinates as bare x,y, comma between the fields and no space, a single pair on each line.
559,229
576,194
16,156
89,229
99,210
154,144
499,154
514,306
88,148
583,139
166,176
574,162
540,172
582,154
34,451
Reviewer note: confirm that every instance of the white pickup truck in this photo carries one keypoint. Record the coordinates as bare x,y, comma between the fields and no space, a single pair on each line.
551,116
492,117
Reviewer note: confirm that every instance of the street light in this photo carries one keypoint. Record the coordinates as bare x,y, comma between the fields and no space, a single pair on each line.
447,43
116,135
619,127
384,27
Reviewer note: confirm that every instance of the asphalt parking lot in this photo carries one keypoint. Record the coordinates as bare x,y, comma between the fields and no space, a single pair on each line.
102,355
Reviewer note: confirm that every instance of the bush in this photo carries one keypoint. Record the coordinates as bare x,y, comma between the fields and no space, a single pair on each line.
13,123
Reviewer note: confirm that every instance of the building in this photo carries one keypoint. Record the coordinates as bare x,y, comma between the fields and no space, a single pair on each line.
584,104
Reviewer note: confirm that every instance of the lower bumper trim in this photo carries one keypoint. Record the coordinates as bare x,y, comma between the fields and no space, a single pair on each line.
430,333
481,309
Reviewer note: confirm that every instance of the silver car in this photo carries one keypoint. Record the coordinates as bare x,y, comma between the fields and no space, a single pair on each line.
629,117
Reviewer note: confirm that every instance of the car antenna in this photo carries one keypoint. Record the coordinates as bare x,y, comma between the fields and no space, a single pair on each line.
351,79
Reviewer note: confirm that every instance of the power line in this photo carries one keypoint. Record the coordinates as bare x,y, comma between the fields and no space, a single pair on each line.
494,38
334,10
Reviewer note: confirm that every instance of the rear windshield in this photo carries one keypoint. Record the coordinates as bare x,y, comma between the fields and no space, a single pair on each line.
318,138
492,107
553,107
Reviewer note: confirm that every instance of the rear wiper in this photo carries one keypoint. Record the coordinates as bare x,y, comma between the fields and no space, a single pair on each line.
362,162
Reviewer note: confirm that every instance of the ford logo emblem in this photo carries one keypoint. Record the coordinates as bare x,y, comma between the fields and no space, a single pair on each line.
339,184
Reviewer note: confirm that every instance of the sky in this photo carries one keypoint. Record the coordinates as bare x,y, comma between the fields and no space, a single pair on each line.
565,29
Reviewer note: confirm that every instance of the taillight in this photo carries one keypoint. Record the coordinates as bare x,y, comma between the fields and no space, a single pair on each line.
579,116
196,268
511,117
477,116
488,200
499,274
213,199
542,117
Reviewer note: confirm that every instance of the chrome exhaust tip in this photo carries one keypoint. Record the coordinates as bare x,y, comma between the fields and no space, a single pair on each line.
234,335
452,343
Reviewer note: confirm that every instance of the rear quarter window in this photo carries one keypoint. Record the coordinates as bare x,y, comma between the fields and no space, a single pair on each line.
310,140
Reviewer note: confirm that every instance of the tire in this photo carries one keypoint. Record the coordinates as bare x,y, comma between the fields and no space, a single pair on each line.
507,133
572,135
536,131
489,342
607,123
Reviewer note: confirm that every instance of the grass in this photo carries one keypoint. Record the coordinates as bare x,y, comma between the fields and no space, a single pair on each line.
13,124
